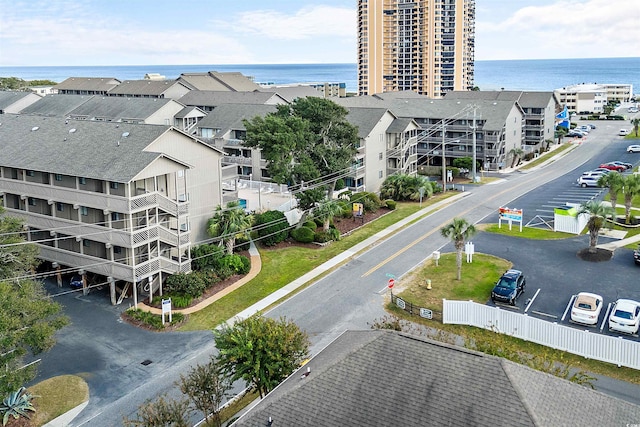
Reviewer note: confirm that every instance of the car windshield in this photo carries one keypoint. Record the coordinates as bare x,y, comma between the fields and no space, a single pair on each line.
622,314
507,283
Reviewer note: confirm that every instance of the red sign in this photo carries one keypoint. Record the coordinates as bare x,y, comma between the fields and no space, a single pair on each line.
391,282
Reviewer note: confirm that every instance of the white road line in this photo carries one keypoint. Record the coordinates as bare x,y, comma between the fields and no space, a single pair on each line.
567,309
606,316
532,299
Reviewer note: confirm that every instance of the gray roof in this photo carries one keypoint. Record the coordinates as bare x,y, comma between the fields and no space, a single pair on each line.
293,92
386,378
230,116
493,112
210,98
96,84
56,105
91,151
144,87
213,80
525,99
365,119
8,97
117,108
399,125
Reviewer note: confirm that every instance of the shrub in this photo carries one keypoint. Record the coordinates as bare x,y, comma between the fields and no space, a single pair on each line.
272,226
242,244
310,224
16,405
322,237
334,233
391,204
153,320
204,256
235,264
193,284
302,234
177,301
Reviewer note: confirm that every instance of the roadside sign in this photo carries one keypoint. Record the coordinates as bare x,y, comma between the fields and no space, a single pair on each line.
426,313
391,282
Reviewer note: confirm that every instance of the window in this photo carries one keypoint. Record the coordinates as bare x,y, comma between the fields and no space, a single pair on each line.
86,243
379,174
82,180
113,185
58,177
84,211
60,207
180,173
115,216
117,250
30,173
379,156
32,201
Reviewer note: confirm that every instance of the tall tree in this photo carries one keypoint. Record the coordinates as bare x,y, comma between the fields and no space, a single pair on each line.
636,123
261,351
162,412
17,258
612,181
598,213
458,230
630,188
307,140
229,224
207,388
326,211
517,155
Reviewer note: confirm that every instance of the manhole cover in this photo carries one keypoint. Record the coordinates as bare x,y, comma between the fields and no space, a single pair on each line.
147,362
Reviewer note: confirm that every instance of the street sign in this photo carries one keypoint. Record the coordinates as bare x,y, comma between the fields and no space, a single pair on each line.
391,282
426,313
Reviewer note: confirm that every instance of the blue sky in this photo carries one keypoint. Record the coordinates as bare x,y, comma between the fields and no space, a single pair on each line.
146,32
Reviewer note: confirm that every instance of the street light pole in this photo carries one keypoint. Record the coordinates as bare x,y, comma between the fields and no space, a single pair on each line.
444,160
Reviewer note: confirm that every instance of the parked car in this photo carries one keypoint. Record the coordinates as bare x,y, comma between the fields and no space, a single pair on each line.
613,167
633,149
584,129
636,255
624,132
595,173
625,164
76,282
625,316
591,126
509,287
633,110
575,134
586,308
604,170
588,181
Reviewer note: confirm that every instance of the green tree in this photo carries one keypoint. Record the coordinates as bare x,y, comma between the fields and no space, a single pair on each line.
272,227
162,412
635,123
326,211
29,321
405,187
458,230
261,351
16,258
613,182
306,140
598,213
517,155
207,388
560,133
229,224
630,189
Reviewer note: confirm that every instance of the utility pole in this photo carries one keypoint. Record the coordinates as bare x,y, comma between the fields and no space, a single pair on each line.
444,160
474,174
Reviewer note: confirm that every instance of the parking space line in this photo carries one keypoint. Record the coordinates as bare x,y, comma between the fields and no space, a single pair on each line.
568,307
606,316
532,299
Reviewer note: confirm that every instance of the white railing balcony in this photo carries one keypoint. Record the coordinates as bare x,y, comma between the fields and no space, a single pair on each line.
101,266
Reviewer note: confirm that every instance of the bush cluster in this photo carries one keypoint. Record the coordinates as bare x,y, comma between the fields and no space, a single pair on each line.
272,226
302,234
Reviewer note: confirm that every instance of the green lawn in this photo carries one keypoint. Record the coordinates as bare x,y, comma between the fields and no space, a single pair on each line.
56,396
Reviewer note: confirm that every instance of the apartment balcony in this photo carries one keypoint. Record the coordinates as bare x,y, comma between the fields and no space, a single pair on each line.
233,142
174,238
237,160
101,266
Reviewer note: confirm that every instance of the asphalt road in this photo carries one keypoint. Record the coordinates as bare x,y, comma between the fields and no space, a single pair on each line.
109,353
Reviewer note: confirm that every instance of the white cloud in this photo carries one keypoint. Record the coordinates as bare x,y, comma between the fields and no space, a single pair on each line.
569,29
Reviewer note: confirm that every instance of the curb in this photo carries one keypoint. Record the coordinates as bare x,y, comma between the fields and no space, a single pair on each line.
64,419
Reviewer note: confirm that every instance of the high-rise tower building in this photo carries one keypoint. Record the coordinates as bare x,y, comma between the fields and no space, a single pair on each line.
422,45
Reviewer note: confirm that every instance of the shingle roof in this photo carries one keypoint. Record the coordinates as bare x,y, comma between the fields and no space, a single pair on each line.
213,80
212,98
144,87
91,151
55,105
525,99
117,108
365,119
97,84
386,378
227,117
8,98
293,92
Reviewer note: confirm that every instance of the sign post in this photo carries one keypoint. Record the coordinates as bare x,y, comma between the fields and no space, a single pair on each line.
509,214
166,309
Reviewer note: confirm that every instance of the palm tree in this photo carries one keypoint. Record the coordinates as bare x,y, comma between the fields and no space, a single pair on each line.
229,224
326,211
598,213
636,123
561,132
630,188
517,154
612,181
458,231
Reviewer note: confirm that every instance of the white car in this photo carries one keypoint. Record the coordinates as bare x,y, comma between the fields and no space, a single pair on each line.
586,308
625,316
624,132
633,149
588,181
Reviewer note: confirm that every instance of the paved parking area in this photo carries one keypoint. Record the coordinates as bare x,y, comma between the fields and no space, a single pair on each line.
555,274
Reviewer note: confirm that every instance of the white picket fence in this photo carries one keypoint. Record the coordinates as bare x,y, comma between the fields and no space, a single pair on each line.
584,342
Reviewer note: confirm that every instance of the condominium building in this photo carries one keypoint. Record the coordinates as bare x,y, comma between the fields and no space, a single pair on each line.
426,46
593,97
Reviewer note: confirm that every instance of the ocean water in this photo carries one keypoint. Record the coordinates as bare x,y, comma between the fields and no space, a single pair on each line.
534,74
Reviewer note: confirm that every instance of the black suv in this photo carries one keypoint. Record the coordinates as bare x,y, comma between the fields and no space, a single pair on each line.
509,287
